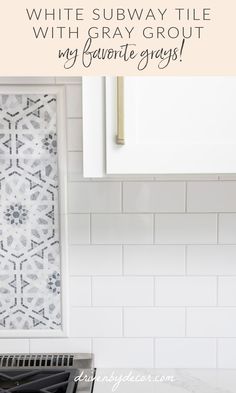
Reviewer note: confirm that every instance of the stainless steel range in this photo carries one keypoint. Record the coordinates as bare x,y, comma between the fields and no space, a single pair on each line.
46,373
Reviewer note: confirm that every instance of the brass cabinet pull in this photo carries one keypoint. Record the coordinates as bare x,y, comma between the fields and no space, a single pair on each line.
120,136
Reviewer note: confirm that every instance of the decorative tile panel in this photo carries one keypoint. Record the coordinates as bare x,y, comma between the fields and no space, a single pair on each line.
29,220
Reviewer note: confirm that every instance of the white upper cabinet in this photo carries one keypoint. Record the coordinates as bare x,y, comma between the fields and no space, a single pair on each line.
170,125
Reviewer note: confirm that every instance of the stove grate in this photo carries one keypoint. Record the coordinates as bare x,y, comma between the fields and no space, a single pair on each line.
37,360
37,380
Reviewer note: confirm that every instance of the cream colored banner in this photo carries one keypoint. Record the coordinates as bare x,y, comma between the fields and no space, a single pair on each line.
119,37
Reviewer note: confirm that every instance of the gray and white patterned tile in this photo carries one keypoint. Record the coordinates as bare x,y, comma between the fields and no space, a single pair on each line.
29,216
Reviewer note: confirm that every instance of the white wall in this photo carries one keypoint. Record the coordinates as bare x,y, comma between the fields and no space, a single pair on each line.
152,265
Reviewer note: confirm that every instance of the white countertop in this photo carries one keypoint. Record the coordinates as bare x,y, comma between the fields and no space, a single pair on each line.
175,381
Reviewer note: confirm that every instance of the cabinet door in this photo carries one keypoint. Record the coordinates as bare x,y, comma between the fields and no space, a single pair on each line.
172,125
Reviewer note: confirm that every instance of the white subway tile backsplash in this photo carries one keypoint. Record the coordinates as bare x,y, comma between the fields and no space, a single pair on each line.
226,353
94,197
122,228
14,345
154,260
95,322
123,291
60,345
185,353
227,228
74,100
215,196
95,260
186,228
154,197
227,291
129,320
154,322
211,260
211,322
75,166
79,228
80,291
186,291
74,135
123,352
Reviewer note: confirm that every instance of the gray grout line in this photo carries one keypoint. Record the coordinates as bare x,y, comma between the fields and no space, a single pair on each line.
217,291
169,213
151,244
154,274
139,244
142,180
148,244
142,306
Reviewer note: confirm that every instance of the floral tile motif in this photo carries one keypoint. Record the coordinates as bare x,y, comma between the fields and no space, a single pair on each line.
29,220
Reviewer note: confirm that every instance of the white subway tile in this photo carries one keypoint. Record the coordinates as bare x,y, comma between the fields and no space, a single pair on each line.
95,260
211,260
74,100
123,352
80,291
12,345
74,134
211,322
186,228
215,196
154,260
154,322
79,228
186,291
96,322
60,345
154,197
226,353
227,291
123,291
185,353
95,197
227,228
122,228
75,166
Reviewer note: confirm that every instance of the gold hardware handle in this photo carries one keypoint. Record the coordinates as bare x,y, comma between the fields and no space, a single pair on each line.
120,137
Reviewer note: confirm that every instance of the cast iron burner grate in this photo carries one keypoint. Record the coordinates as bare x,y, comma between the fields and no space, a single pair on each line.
40,380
